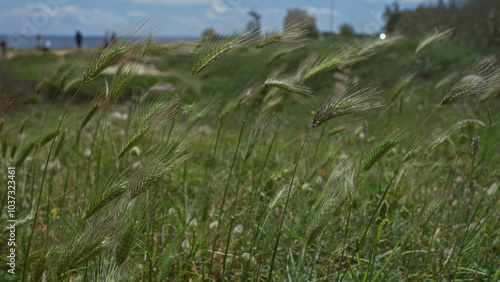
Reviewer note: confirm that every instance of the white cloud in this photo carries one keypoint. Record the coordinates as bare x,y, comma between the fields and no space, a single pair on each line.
272,11
34,19
211,15
188,21
400,1
320,11
173,2
138,14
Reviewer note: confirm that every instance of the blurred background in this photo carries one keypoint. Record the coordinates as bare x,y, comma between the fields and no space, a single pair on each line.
476,21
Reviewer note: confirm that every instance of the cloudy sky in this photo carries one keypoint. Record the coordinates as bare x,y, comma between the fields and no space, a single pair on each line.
182,17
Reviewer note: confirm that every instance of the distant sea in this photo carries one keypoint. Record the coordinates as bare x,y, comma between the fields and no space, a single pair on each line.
22,42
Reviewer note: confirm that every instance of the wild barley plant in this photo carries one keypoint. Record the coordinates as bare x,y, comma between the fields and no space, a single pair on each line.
433,38
131,222
381,149
475,81
347,55
217,48
288,83
261,124
340,102
104,60
294,33
111,55
114,185
344,101
142,174
98,64
283,53
425,214
121,80
153,115
336,191
160,163
89,240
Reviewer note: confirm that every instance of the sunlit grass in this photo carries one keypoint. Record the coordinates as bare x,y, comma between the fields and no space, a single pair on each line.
224,176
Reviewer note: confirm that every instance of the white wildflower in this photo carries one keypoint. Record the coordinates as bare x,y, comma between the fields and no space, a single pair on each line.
136,165
119,116
493,188
205,130
87,153
249,257
53,166
185,245
214,225
135,151
238,230
194,223
319,180
171,211
306,187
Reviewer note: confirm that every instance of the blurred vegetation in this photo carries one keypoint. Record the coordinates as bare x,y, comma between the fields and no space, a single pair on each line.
346,30
22,74
121,189
475,22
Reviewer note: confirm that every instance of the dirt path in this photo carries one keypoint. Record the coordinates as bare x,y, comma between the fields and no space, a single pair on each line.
60,53
139,68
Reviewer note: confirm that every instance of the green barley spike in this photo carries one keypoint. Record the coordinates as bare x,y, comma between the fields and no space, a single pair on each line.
89,115
47,137
24,151
60,143
380,150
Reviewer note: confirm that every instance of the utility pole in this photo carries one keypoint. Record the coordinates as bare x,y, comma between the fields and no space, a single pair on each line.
331,16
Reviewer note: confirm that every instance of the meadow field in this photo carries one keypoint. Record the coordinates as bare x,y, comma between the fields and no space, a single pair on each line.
246,158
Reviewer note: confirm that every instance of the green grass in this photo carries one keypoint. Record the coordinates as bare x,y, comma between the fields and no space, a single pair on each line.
150,190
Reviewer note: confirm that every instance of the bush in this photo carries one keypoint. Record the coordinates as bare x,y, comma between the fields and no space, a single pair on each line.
347,30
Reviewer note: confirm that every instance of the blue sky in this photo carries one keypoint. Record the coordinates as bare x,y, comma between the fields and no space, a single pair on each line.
182,17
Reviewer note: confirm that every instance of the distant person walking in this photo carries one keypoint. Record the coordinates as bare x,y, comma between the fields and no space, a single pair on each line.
43,44
113,38
3,47
78,38
39,42
105,40
47,45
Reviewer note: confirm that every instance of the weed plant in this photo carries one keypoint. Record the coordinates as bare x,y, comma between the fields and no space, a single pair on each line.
299,167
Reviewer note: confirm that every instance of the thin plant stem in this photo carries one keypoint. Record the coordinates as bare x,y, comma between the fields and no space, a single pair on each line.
208,173
227,248
395,173
464,210
316,149
30,238
221,210
264,164
273,259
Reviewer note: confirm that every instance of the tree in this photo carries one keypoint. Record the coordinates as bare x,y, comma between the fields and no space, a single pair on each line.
208,35
312,31
392,15
347,30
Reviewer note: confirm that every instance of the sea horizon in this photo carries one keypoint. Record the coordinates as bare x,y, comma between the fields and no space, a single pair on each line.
15,41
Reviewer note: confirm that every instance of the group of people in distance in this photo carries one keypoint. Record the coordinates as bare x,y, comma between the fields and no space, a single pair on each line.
108,39
44,44
3,48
